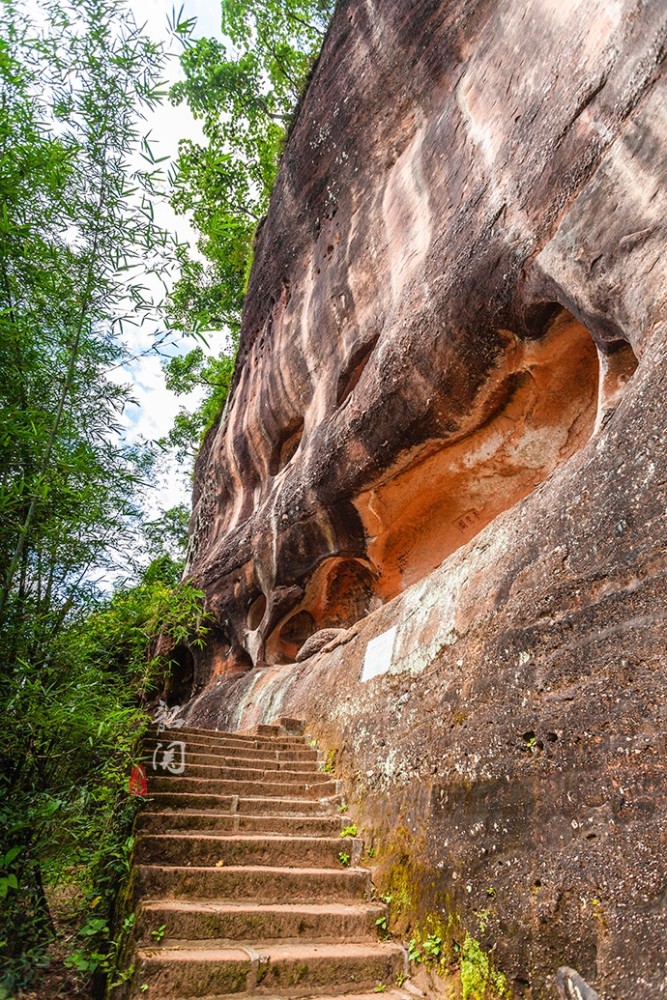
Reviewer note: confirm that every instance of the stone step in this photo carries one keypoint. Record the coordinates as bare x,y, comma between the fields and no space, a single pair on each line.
212,738
207,850
247,805
289,970
395,994
295,727
258,806
254,922
314,789
193,820
194,770
263,884
226,759
239,887
269,730
258,756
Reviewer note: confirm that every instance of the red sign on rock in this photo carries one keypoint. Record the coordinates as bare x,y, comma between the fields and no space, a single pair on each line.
137,784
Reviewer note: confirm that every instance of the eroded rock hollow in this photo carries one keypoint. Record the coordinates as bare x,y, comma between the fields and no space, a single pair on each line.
447,426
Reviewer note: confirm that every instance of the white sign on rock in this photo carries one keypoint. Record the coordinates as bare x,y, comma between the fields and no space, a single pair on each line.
378,656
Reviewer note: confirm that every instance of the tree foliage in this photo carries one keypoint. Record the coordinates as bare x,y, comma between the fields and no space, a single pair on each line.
77,239
71,732
213,376
244,90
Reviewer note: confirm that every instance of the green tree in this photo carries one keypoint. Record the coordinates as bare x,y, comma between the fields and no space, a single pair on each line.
77,239
77,231
185,373
244,90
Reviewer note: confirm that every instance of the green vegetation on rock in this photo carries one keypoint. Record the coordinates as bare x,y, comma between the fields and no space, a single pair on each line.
479,978
78,243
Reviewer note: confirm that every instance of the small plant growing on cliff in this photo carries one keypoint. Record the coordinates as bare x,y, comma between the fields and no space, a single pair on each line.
432,947
429,950
414,951
477,972
344,859
159,932
329,762
349,831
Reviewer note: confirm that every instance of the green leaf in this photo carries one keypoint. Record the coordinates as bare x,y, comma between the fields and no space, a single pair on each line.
11,854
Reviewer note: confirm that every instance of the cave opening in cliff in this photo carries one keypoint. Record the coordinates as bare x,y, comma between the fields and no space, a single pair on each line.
286,449
549,390
340,592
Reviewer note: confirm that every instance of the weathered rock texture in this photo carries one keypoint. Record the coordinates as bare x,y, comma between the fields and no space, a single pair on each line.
448,417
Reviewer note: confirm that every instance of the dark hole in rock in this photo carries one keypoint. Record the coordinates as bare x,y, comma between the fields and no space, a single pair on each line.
349,377
538,317
529,737
180,681
538,883
349,594
591,836
552,737
292,636
285,450
256,612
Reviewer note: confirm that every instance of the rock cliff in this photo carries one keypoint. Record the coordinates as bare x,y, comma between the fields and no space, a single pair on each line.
447,429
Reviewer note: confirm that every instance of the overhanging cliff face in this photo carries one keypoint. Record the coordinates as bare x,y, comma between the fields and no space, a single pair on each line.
448,419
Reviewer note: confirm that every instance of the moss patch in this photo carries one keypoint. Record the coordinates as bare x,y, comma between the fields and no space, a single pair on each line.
479,979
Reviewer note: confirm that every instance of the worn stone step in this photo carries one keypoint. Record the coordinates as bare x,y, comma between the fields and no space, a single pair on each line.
313,789
264,884
258,806
194,770
226,759
212,738
294,726
174,799
194,820
268,730
395,994
293,970
258,756
244,849
247,736
255,922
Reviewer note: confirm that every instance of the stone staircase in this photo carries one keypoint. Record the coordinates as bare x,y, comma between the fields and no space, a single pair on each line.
241,880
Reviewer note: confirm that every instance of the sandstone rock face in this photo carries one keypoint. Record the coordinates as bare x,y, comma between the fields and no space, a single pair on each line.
448,421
